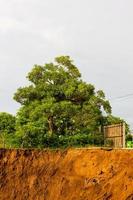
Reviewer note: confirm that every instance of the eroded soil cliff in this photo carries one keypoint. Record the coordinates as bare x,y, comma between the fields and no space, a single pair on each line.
73,174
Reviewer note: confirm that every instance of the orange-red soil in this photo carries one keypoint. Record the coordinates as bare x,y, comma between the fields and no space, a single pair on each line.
75,174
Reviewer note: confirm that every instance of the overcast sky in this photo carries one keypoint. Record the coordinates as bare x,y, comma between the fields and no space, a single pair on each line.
97,34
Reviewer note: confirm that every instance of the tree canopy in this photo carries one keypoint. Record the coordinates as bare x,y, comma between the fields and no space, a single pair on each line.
57,101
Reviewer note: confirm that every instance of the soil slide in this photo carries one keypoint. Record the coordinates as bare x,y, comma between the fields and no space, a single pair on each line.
74,174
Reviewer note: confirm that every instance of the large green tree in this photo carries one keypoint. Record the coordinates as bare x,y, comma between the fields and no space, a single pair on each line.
57,101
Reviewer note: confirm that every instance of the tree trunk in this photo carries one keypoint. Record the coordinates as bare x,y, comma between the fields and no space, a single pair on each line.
51,125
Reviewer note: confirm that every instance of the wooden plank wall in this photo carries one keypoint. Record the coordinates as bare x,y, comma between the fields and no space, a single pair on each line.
115,133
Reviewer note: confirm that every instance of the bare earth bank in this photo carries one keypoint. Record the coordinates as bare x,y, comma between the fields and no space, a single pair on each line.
74,174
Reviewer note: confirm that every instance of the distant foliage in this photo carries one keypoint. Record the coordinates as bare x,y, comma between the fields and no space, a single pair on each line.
110,119
7,128
7,123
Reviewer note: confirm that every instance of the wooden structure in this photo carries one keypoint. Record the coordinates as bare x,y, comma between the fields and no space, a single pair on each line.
114,135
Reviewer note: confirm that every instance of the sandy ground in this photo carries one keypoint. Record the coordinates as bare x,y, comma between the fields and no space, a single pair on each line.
74,174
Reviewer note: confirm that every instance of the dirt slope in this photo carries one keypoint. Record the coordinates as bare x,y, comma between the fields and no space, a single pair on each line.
69,175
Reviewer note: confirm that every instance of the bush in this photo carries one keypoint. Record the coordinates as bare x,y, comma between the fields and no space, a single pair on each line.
41,140
79,140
